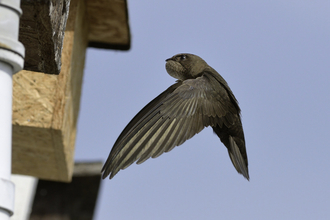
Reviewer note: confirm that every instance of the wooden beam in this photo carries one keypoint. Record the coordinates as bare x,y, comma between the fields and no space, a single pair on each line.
109,26
75,200
45,108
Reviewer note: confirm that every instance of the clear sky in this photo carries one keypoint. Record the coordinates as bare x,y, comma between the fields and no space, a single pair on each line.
275,56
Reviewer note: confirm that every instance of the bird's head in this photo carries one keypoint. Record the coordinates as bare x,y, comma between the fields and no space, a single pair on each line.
185,66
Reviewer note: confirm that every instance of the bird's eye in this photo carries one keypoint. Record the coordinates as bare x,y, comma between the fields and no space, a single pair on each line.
182,57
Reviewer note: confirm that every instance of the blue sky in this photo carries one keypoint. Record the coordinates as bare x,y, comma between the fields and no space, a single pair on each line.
275,56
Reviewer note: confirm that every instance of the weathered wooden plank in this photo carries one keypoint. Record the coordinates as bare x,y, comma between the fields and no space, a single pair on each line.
41,31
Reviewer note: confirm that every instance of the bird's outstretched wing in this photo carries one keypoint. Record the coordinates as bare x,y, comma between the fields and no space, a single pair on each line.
176,115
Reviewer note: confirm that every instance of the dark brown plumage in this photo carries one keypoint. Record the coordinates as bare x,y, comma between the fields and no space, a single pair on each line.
199,98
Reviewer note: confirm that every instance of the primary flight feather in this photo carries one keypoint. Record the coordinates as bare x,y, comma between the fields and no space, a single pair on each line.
199,98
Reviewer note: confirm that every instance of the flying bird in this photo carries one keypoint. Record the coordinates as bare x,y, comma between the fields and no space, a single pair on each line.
199,98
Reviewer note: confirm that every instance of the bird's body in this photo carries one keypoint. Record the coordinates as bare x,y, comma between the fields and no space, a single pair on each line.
199,98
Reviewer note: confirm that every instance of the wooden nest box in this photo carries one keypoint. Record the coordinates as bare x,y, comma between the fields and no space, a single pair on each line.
46,94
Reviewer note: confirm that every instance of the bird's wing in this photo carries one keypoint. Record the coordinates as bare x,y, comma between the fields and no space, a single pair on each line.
176,115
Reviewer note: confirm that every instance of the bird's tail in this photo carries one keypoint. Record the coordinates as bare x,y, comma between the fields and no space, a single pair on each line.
236,150
237,158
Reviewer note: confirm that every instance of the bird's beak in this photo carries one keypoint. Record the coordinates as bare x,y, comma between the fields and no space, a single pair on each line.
168,59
